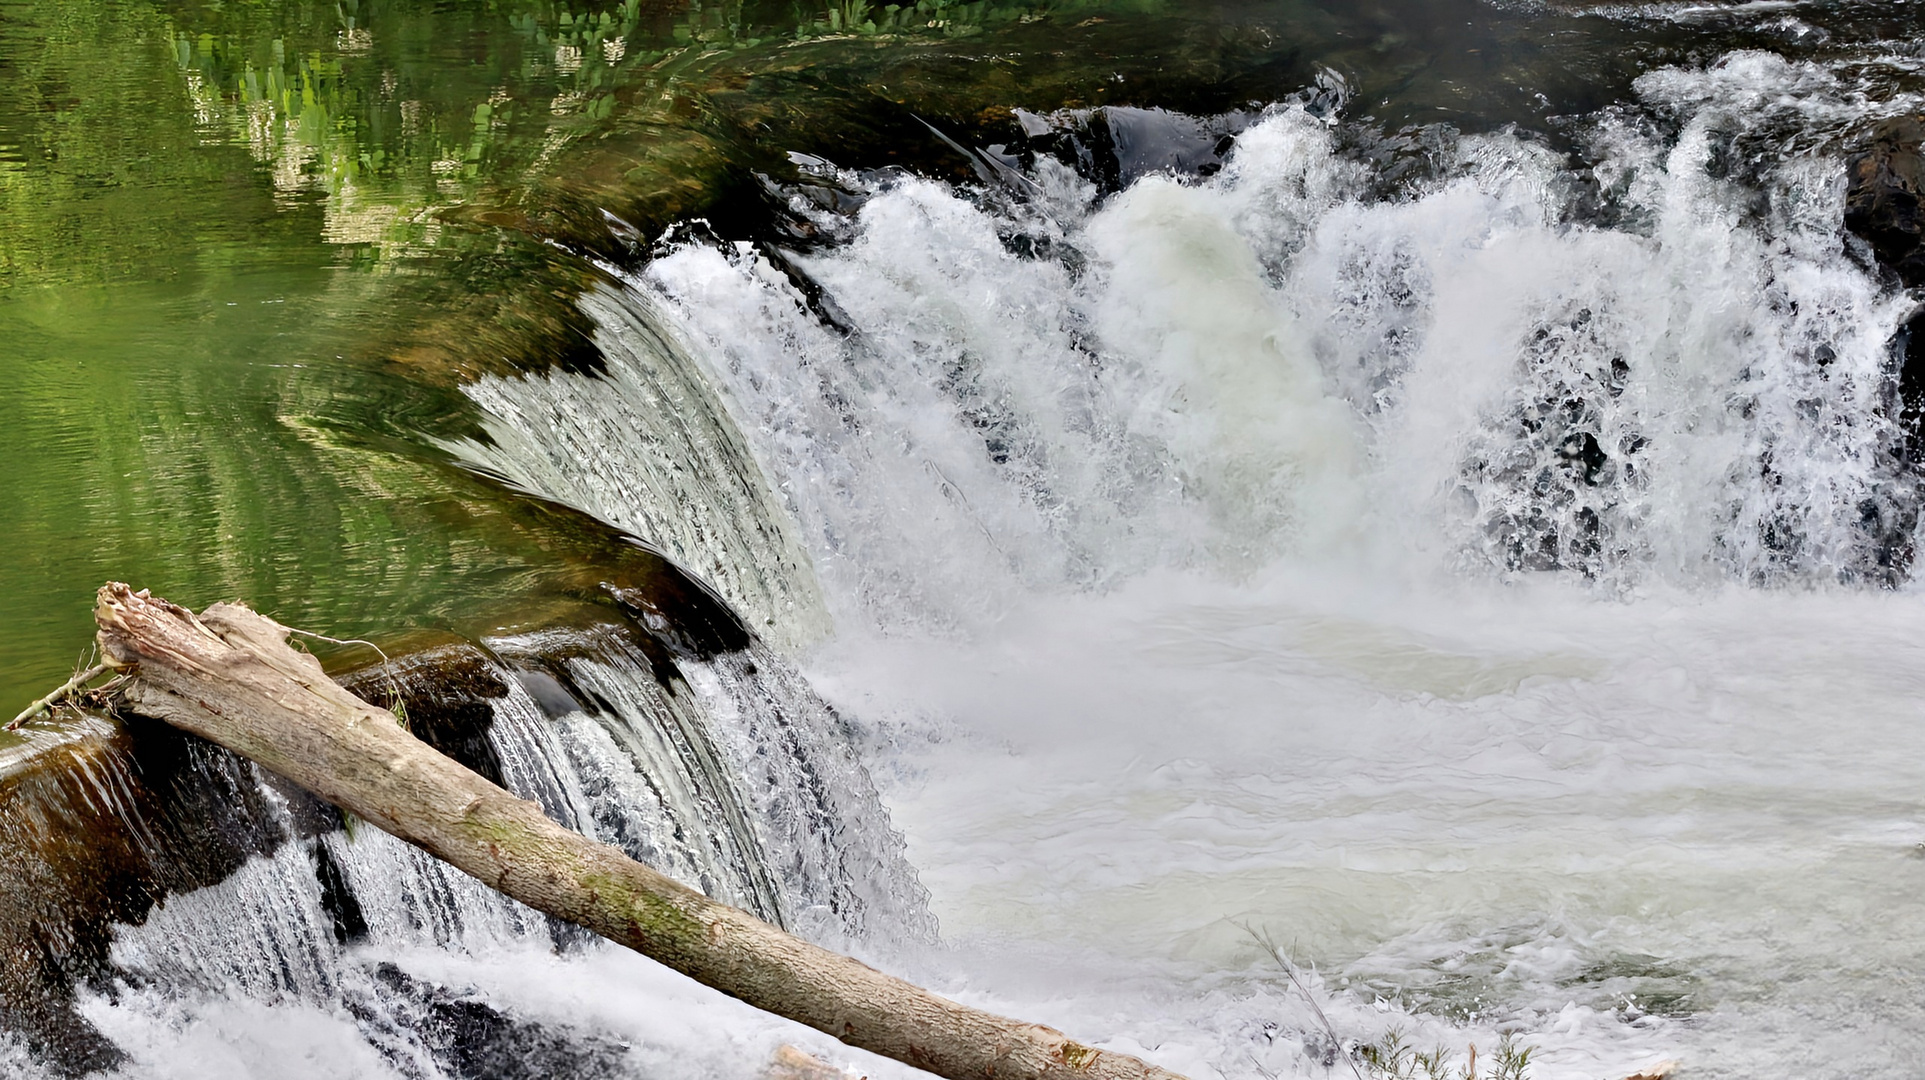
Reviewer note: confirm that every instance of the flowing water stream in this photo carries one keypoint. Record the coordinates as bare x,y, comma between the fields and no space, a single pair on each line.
1251,534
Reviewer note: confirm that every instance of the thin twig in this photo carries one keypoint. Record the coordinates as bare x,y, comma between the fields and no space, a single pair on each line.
395,704
1290,969
341,641
66,688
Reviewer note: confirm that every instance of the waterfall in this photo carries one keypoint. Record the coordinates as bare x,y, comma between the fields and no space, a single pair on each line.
724,771
645,448
1420,545
1644,371
1428,548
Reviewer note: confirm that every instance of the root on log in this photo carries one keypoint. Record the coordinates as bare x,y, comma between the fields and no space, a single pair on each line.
230,677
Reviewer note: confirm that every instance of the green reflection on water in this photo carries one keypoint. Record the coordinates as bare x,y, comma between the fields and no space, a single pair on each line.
201,206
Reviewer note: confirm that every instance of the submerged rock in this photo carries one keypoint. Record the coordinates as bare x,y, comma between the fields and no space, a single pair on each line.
472,1039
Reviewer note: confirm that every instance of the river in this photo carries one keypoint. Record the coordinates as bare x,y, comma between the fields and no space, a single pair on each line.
1255,533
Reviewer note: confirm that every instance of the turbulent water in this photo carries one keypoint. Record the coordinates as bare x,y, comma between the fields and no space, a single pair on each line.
1487,577
1293,583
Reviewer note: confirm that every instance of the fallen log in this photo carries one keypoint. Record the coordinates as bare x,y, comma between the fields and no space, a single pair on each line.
229,676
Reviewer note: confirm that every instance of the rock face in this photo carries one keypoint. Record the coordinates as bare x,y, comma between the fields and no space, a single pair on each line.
1883,204
1885,207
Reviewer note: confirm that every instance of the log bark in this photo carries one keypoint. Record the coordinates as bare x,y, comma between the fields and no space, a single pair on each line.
230,677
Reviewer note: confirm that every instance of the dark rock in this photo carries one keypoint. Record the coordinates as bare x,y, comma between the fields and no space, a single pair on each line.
337,896
447,699
473,1040
1883,202
1885,207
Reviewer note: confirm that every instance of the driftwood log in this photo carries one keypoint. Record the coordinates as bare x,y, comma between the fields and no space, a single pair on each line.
229,676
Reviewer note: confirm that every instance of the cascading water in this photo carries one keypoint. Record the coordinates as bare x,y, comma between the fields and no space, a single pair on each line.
644,449
1478,563
1264,362
1425,557
361,956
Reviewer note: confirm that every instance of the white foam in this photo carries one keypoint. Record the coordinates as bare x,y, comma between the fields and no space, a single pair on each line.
238,1038
1250,566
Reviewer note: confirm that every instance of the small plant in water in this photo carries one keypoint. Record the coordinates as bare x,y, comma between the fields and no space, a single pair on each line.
1513,1061
1393,1058
849,15
1389,1055
1436,1063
